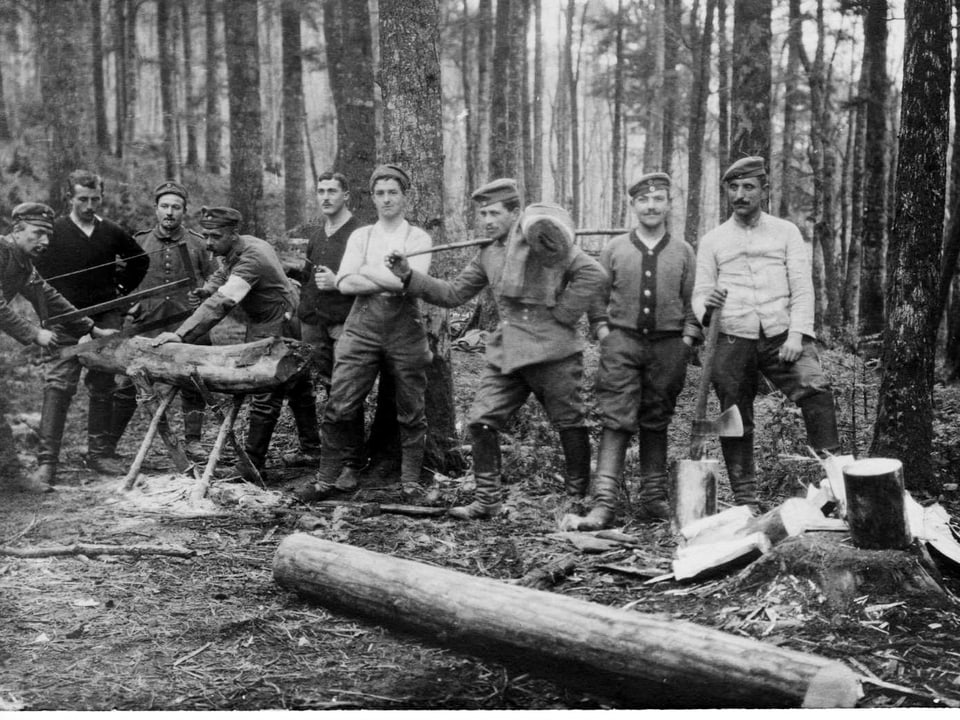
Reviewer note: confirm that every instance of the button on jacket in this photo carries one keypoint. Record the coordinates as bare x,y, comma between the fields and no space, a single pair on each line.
166,266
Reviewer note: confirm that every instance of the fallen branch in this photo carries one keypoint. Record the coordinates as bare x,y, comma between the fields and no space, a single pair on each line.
545,576
93,550
369,509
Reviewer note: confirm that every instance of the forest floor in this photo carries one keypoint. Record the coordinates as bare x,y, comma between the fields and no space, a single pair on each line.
215,632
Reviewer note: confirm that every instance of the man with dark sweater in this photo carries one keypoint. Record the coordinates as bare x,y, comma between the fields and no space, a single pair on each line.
82,264
645,335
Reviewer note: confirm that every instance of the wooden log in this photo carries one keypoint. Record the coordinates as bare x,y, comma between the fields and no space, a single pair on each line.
546,576
657,662
249,367
876,511
696,562
694,490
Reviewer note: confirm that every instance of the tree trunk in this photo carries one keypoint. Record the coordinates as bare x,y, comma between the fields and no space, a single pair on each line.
951,249
574,77
698,122
904,425
99,89
661,663
64,65
561,120
189,101
484,60
723,98
791,99
294,173
168,103
671,42
874,243
413,137
653,120
133,71
470,107
246,134
876,510
617,175
119,36
534,183
851,284
245,368
346,28
212,90
506,129
525,105
751,88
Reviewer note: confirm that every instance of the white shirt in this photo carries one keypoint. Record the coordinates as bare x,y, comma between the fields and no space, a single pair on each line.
369,245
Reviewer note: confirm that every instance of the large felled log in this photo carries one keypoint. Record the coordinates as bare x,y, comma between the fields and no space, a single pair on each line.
876,511
244,368
657,662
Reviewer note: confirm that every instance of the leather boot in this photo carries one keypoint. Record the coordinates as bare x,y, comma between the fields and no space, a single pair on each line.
123,408
411,468
333,462
303,405
53,419
654,504
576,455
820,419
738,457
606,485
99,450
257,443
486,472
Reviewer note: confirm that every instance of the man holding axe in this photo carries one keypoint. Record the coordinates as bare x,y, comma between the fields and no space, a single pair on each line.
646,330
543,284
754,278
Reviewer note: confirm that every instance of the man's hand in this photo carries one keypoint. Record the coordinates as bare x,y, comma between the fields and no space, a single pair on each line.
164,338
195,297
102,332
398,264
714,301
325,278
602,331
46,338
792,348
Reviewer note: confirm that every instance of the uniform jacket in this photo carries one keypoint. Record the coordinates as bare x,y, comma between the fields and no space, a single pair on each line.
328,307
527,334
649,289
18,277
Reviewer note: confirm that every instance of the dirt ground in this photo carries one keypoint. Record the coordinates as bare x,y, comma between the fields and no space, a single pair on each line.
214,632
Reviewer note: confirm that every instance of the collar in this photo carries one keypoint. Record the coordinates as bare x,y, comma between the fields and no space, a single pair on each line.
161,235
748,226
330,228
643,247
235,251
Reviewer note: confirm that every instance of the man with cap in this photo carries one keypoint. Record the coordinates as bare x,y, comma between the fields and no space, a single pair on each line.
754,277
543,284
384,327
162,244
27,241
90,260
251,276
324,309
646,329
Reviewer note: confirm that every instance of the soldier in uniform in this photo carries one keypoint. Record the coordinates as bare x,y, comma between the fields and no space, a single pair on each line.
543,284
82,265
28,240
754,278
162,243
646,330
251,276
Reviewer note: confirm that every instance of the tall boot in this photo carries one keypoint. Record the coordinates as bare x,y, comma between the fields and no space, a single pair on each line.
411,467
820,419
653,500
99,450
606,484
123,408
53,419
738,457
486,472
303,405
576,455
334,460
257,443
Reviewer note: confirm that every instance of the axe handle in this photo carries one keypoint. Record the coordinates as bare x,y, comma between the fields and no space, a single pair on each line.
709,352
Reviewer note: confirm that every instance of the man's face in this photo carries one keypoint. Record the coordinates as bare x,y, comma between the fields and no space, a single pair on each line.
32,239
219,240
85,202
652,208
170,210
746,195
496,220
331,197
389,199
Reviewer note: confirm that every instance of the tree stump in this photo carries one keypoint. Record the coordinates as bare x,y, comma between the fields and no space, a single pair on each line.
876,511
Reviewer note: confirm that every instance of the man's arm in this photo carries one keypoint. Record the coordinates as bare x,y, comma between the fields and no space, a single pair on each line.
691,326
705,279
597,314
137,263
586,283
800,280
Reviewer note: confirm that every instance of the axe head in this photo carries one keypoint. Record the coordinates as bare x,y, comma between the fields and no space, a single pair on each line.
728,424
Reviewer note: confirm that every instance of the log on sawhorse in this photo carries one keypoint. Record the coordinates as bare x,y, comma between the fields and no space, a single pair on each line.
651,661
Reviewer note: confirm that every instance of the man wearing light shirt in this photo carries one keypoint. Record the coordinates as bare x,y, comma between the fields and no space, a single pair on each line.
754,278
384,326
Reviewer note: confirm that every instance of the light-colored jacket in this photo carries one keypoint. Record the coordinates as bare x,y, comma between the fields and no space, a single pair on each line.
766,270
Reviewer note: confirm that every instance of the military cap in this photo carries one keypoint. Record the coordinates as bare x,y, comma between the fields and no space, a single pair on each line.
169,187
390,171
219,217
648,183
34,213
747,167
500,190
